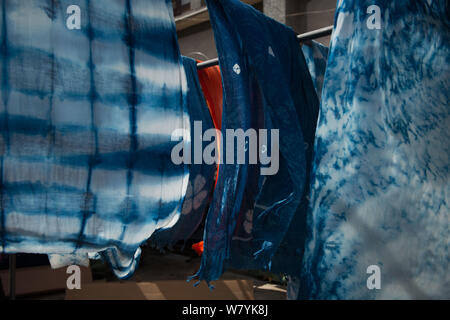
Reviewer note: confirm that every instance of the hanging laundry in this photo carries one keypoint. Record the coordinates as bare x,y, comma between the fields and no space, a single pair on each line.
201,176
305,90
90,96
211,83
379,220
316,55
198,248
251,212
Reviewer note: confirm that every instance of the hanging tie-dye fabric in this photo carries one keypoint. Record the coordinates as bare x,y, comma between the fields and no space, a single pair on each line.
252,210
201,175
379,221
316,56
91,92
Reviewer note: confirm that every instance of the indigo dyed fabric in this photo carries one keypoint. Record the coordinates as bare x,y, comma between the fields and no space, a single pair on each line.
316,55
304,92
86,122
251,213
380,191
201,176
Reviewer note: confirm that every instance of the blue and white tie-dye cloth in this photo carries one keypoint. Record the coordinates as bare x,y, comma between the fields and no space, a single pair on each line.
316,56
251,213
379,218
201,175
86,118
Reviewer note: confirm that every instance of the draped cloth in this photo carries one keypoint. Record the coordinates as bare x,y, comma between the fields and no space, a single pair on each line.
86,119
316,56
380,187
211,83
201,175
264,77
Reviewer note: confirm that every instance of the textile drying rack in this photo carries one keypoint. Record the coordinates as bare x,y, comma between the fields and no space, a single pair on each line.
322,32
206,64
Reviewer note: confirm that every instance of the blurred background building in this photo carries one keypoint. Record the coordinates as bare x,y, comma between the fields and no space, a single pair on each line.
196,38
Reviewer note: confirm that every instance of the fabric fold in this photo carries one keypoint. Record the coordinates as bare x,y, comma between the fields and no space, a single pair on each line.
86,119
379,217
265,78
201,175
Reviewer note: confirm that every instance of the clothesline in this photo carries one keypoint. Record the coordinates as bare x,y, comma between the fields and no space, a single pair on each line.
322,32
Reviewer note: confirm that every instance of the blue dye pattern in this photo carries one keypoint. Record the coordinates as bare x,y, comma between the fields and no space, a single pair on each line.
251,213
86,118
380,186
316,55
201,176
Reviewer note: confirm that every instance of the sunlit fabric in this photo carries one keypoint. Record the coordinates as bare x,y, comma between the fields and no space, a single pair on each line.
379,199
86,119
250,213
201,175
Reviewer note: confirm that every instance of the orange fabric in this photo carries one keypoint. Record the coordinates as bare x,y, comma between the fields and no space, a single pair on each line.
198,247
211,83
